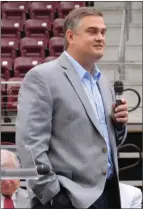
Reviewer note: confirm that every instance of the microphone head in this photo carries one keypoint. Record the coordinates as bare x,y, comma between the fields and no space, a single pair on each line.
118,87
43,169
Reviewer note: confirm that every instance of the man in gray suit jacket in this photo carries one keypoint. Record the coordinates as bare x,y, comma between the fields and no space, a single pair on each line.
66,113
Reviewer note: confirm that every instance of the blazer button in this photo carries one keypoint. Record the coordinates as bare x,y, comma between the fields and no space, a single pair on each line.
104,150
104,173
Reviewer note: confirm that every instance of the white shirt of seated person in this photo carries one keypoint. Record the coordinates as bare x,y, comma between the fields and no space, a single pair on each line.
131,197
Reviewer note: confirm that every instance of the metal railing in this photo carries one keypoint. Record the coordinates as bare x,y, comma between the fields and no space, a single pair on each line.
126,19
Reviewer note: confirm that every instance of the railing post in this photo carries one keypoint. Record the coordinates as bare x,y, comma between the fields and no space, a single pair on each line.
126,19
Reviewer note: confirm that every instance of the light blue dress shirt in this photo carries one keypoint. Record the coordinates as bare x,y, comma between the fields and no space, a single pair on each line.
89,83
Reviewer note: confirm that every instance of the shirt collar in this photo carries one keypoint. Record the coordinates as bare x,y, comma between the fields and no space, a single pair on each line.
13,196
81,71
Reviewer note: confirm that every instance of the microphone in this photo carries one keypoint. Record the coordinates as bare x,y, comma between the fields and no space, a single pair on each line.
43,169
119,88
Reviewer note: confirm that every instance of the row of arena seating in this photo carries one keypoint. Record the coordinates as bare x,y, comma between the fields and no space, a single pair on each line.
21,65
32,28
9,93
10,89
31,47
31,32
37,10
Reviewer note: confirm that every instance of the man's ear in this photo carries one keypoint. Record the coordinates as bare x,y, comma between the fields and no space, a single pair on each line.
70,36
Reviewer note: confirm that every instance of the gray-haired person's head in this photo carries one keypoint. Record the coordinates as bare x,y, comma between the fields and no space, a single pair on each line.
9,159
72,21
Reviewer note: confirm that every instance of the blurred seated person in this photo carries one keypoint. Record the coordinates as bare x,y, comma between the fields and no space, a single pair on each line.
131,197
12,196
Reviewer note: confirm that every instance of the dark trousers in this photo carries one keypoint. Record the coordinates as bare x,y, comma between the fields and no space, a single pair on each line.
108,199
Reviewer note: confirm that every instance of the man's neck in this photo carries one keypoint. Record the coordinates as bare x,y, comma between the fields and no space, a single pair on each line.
86,64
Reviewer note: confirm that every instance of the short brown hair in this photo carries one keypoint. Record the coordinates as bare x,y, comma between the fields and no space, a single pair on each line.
73,18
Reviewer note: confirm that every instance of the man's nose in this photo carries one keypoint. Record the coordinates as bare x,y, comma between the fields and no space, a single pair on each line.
99,37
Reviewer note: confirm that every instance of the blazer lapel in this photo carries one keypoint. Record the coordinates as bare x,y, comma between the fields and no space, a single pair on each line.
75,82
105,94
107,102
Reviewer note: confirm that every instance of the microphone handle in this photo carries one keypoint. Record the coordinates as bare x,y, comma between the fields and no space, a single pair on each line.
118,102
119,125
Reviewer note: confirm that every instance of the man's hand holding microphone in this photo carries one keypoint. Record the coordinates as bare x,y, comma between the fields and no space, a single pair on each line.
120,109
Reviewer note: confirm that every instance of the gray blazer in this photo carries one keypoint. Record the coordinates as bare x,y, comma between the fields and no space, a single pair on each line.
56,119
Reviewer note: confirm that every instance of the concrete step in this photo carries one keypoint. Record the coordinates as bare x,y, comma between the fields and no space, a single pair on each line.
114,32
115,5
133,183
135,116
133,72
137,5
131,97
129,155
135,35
133,53
115,16
108,5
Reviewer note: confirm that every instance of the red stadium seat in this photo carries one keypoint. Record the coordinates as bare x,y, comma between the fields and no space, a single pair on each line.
31,47
50,58
56,46
9,47
12,93
2,85
7,143
65,7
3,91
11,29
14,10
38,28
22,4
43,10
58,27
23,64
6,67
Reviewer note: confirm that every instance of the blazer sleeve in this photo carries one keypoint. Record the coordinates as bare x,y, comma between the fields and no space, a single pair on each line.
33,128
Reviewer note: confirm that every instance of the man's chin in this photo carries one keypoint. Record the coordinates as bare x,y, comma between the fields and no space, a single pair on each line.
98,55
7,193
